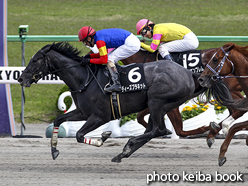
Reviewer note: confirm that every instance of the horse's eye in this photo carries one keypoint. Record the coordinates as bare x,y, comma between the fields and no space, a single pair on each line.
215,59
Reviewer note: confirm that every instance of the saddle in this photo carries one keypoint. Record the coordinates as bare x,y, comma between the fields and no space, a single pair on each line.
132,78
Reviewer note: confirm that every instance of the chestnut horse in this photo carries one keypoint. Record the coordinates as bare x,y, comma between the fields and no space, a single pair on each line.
228,59
174,115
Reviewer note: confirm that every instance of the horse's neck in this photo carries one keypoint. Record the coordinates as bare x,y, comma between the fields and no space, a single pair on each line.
240,68
240,63
70,71
140,57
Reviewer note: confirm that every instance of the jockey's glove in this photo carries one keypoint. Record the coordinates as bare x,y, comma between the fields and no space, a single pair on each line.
87,56
85,61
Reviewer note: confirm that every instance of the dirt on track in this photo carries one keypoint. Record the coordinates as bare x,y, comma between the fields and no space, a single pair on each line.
28,161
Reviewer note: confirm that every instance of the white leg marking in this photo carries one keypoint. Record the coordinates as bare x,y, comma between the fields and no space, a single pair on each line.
95,142
226,124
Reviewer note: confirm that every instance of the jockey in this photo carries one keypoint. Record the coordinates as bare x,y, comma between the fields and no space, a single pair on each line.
125,44
172,37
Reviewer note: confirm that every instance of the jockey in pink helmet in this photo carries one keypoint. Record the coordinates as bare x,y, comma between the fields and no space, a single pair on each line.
167,37
125,44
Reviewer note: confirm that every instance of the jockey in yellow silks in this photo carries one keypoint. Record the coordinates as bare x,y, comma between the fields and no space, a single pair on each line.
167,37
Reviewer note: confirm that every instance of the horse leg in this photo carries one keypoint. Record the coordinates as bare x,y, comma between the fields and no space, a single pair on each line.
74,115
176,120
234,114
92,123
141,115
156,128
227,122
235,128
215,128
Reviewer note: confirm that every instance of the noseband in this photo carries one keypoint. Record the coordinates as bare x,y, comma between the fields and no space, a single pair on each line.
216,73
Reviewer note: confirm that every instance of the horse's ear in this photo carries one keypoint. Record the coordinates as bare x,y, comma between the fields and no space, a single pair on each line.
47,48
229,47
51,46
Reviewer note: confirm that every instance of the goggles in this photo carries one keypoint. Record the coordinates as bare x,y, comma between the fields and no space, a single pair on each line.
144,31
84,41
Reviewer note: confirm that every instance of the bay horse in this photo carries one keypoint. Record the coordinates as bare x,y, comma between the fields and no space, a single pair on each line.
230,58
166,90
174,115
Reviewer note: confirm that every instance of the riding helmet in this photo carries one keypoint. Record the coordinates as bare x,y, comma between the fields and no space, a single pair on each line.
85,32
142,24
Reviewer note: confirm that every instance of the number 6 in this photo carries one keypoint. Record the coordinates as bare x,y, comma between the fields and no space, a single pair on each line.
133,73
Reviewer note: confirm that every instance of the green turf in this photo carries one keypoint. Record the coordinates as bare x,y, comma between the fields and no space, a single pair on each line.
66,17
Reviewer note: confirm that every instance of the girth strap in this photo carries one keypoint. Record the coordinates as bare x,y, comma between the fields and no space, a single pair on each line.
115,105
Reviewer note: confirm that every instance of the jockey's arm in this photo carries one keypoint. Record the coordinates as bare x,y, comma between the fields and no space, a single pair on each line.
102,56
154,45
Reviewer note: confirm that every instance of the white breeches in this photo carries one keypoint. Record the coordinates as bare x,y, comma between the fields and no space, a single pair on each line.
130,47
189,42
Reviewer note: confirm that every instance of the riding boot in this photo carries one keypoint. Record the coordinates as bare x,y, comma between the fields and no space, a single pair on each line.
168,57
116,87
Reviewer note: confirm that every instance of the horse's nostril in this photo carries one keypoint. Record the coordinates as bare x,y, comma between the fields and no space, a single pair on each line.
20,80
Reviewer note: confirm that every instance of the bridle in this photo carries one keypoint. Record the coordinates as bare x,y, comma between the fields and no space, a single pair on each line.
217,69
38,74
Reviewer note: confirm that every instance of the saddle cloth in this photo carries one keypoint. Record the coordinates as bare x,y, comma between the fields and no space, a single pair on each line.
190,59
132,77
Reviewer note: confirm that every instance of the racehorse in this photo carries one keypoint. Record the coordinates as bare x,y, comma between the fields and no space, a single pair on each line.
165,91
175,117
230,58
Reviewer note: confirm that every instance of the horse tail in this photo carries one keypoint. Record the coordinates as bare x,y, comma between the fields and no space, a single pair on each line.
221,93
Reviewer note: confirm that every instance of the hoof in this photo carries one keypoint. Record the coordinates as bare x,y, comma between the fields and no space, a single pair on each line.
105,135
214,125
210,142
55,153
222,160
117,159
124,154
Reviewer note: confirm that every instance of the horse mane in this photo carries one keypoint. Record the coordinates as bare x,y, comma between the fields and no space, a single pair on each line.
221,93
67,50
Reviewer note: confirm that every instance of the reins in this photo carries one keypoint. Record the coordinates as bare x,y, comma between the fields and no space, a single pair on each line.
216,73
146,56
88,79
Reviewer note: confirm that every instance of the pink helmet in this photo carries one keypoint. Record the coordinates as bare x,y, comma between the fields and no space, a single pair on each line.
141,24
85,32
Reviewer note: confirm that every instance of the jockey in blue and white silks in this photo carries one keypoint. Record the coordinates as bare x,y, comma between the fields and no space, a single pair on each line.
125,44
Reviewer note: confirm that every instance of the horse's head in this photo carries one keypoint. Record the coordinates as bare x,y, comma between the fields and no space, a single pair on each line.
36,69
217,67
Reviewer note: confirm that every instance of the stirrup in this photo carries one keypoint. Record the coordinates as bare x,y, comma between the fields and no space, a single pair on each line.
113,88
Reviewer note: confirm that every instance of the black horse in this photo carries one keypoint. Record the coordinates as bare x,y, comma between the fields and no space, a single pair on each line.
168,86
